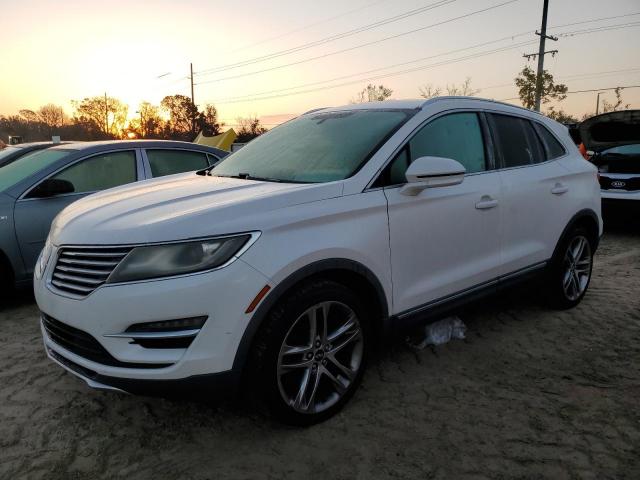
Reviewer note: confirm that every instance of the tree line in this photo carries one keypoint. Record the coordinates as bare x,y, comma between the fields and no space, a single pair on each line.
107,118
526,83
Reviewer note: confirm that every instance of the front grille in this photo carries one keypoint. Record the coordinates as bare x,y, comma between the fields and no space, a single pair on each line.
85,346
626,184
80,271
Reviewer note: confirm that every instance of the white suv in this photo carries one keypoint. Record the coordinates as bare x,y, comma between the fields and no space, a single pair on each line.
283,265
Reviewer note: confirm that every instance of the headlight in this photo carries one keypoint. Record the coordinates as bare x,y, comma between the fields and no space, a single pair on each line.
172,259
43,259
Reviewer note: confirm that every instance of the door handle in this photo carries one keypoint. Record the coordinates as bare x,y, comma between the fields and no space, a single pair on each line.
486,202
559,189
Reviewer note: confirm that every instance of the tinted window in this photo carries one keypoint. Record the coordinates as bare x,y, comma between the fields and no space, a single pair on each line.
317,147
457,136
517,141
101,172
168,162
624,150
27,165
553,147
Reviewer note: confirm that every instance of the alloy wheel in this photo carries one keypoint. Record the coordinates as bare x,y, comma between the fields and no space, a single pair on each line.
320,357
577,267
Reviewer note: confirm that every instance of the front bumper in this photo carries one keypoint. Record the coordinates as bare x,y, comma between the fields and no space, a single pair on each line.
620,195
214,385
222,295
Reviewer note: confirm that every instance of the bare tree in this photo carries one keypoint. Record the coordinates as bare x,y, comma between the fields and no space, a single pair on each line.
618,105
52,116
429,91
464,89
372,93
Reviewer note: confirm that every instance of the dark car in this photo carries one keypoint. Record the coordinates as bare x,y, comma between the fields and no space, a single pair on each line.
36,187
13,152
614,139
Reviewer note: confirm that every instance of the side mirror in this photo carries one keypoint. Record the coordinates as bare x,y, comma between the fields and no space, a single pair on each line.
51,187
432,172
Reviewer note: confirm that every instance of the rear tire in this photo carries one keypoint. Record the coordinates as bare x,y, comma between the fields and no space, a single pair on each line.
311,353
570,270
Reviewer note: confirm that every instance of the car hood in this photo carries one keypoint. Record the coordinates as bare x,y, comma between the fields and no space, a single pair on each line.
610,130
179,207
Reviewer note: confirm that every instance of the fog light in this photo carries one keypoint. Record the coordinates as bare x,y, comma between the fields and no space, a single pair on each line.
191,323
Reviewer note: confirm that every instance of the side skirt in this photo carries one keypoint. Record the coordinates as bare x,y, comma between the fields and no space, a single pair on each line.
441,307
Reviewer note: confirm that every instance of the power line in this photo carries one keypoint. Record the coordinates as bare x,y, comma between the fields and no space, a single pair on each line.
256,97
392,74
307,26
578,76
343,77
306,60
331,38
623,87
366,44
600,29
632,14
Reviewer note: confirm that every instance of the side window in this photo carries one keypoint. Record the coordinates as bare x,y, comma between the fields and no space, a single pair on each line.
168,162
213,160
517,141
553,147
100,172
457,136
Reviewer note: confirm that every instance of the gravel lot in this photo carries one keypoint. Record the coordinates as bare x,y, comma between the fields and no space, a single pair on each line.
531,393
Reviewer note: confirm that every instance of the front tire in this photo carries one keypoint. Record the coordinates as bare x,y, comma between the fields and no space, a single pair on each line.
310,355
570,272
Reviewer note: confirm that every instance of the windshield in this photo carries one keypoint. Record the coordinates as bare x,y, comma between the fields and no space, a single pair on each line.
5,152
314,148
28,165
624,150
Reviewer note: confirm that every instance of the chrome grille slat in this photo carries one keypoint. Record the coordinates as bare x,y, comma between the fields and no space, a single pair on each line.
79,271
97,263
87,271
77,279
69,286
85,253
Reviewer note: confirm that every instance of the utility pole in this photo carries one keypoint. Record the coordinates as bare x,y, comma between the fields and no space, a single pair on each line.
598,103
541,53
193,119
106,114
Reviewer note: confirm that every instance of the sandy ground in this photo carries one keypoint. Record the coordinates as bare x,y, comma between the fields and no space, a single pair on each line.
531,393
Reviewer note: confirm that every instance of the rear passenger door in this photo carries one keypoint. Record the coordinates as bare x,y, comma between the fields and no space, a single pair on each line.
534,190
162,161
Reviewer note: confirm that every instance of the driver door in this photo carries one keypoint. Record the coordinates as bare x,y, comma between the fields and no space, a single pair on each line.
445,240
33,216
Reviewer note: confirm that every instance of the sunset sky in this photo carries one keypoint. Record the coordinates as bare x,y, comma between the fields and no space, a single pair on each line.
65,50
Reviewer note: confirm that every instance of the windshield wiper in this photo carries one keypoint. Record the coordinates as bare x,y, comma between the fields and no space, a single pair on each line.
247,176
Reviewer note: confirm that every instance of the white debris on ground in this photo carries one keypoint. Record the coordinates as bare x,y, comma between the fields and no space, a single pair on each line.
437,333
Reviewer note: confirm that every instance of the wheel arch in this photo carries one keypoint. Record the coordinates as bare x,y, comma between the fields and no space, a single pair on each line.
586,218
348,272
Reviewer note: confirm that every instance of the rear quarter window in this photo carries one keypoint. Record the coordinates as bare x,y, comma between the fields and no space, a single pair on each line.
553,148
